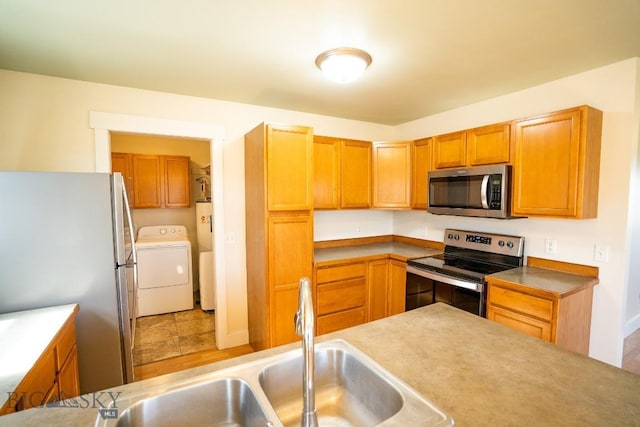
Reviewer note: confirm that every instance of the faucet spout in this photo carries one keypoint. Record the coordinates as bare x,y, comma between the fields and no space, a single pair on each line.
304,325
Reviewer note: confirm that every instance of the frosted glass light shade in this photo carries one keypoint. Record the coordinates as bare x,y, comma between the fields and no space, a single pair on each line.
343,65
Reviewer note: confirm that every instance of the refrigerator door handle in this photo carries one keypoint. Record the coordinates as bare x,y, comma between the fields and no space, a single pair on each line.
133,263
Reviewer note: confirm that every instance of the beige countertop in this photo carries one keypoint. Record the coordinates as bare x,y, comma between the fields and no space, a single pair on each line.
547,280
24,336
481,373
399,250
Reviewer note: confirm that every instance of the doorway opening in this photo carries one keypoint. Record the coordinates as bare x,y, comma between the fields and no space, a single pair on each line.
104,124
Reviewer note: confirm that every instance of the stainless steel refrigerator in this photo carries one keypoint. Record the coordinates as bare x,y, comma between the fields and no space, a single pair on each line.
62,240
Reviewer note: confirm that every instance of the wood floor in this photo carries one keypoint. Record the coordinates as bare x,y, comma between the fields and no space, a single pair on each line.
631,353
179,363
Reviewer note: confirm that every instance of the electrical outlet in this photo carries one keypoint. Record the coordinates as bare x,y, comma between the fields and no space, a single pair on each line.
230,237
601,253
550,246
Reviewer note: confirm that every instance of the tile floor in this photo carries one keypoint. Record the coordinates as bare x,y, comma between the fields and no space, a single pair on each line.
169,335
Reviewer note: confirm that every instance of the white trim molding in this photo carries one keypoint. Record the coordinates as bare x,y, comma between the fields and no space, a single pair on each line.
105,123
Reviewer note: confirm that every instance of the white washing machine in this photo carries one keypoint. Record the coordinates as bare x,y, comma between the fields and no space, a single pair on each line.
165,279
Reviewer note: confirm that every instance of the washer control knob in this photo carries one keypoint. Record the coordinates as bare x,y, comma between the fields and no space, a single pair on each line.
510,245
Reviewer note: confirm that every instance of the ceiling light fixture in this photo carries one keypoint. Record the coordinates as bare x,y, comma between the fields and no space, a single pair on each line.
343,64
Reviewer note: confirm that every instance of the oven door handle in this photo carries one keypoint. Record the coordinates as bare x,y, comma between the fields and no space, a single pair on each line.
477,287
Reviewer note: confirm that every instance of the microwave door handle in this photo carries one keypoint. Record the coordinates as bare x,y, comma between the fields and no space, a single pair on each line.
483,191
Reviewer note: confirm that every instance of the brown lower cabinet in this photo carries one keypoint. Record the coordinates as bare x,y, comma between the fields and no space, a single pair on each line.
53,377
564,320
349,293
341,296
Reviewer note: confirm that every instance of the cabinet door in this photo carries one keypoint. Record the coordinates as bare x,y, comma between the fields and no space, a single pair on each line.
147,185
397,287
355,188
420,164
290,243
489,145
449,151
177,177
557,164
123,163
391,174
326,172
289,168
68,379
546,172
377,278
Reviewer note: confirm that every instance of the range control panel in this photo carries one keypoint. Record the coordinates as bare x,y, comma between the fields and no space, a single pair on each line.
487,242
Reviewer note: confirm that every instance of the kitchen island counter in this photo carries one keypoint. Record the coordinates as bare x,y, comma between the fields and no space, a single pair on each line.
478,371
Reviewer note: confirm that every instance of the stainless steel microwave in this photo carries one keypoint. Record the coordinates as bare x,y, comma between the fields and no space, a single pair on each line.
481,191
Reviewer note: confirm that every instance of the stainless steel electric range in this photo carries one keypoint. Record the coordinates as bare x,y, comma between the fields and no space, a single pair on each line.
456,277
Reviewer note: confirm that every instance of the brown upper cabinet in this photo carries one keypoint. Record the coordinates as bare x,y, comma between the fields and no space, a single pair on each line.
421,161
289,151
342,173
326,172
391,174
480,146
123,163
557,164
155,181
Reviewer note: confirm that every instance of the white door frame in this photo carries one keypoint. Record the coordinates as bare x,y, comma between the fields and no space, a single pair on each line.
104,123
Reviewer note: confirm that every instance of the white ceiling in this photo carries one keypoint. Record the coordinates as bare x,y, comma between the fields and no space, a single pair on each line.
428,55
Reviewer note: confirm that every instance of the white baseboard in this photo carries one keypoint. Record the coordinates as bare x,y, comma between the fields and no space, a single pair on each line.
631,326
233,339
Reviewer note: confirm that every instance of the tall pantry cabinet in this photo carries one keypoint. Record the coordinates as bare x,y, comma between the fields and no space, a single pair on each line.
279,228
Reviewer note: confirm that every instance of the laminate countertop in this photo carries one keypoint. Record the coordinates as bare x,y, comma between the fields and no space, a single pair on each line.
398,250
479,372
24,336
546,280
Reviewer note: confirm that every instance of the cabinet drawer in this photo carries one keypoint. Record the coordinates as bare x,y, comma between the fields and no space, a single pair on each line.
519,322
520,302
341,272
341,320
340,296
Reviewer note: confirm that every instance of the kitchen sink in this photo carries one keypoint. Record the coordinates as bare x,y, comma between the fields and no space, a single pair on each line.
346,390
224,402
351,390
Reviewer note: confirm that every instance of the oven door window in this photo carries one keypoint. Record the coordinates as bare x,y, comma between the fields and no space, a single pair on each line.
419,292
464,299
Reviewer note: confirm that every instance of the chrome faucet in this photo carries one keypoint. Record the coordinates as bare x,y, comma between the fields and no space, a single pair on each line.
304,324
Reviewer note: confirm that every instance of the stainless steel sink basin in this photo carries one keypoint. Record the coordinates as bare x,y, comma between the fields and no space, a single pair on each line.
224,402
351,390
346,390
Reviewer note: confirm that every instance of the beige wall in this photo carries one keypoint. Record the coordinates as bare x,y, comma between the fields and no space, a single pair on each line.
44,125
614,89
